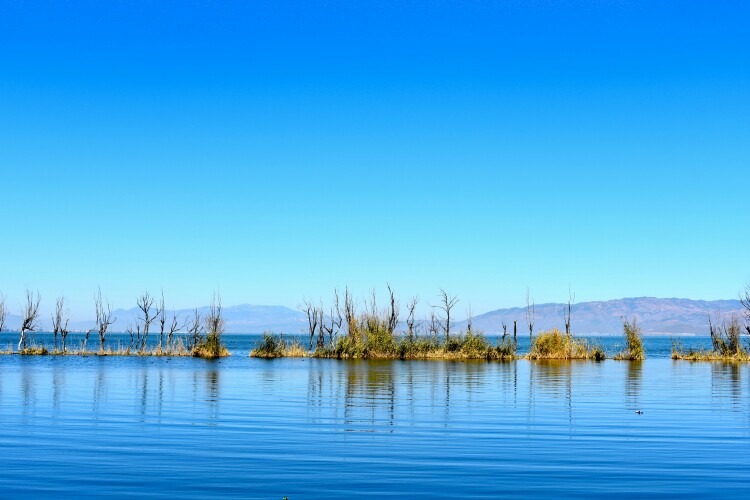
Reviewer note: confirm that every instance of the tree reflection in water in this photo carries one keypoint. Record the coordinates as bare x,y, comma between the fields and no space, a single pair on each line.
633,383
375,393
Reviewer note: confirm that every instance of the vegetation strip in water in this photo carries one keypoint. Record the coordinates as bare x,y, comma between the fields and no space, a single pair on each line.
202,343
346,333
726,344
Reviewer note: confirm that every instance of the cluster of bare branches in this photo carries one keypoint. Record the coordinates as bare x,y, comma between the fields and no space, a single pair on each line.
568,312
147,315
446,305
410,329
325,325
322,325
214,319
194,327
2,312
103,318
149,312
60,320
530,315
745,300
29,317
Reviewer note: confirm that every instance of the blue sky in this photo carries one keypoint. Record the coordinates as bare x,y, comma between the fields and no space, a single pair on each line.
277,150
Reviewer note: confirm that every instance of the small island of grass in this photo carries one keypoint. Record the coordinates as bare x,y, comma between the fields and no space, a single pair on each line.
726,344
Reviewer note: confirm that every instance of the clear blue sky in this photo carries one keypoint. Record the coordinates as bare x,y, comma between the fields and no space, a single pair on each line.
277,150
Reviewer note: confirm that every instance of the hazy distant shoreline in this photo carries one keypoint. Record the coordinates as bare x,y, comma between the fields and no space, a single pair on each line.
656,316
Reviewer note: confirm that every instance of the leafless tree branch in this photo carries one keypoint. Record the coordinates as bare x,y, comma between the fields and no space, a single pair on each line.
29,316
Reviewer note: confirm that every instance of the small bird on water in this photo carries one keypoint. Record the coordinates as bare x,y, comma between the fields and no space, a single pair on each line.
639,412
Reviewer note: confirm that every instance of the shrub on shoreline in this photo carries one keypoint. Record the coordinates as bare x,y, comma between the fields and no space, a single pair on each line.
726,344
634,341
468,345
554,344
211,346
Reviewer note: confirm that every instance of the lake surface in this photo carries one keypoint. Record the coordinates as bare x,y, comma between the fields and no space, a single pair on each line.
327,429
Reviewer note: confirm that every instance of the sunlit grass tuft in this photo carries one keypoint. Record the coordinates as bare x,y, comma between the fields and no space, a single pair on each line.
381,345
634,351
210,348
726,344
554,344
277,347
38,350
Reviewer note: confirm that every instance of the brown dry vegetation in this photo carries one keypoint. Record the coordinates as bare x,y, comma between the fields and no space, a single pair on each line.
554,344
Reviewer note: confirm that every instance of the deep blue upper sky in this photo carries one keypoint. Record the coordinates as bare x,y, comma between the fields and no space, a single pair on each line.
277,150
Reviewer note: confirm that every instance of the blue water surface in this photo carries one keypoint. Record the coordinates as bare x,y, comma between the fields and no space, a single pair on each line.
239,427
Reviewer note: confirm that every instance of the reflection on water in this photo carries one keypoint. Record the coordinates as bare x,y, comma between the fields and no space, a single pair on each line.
633,384
370,391
310,428
726,383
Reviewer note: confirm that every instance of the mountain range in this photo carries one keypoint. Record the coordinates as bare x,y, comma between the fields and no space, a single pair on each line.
655,316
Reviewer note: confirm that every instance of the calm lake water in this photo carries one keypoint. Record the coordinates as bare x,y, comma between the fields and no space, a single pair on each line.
324,429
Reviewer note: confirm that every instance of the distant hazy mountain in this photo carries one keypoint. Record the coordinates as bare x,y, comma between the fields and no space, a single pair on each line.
655,316
243,318
239,319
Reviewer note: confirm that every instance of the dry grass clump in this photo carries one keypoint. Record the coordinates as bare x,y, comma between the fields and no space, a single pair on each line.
176,349
277,347
380,345
634,351
38,350
211,347
726,344
554,344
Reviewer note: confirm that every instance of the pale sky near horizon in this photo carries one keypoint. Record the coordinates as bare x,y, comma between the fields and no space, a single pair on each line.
276,150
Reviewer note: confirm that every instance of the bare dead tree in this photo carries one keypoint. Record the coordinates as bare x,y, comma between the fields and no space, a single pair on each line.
312,319
434,326
393,313
30,317
64,328
515,332
468,320
745,300
195,329
714,333
145,303
3,312
321,328
505,330
161,314
57,319
174,327
334,318
329,328
410,318
86,338
103,318
446,305
350,313
567,313
337,310
530,314
129,331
